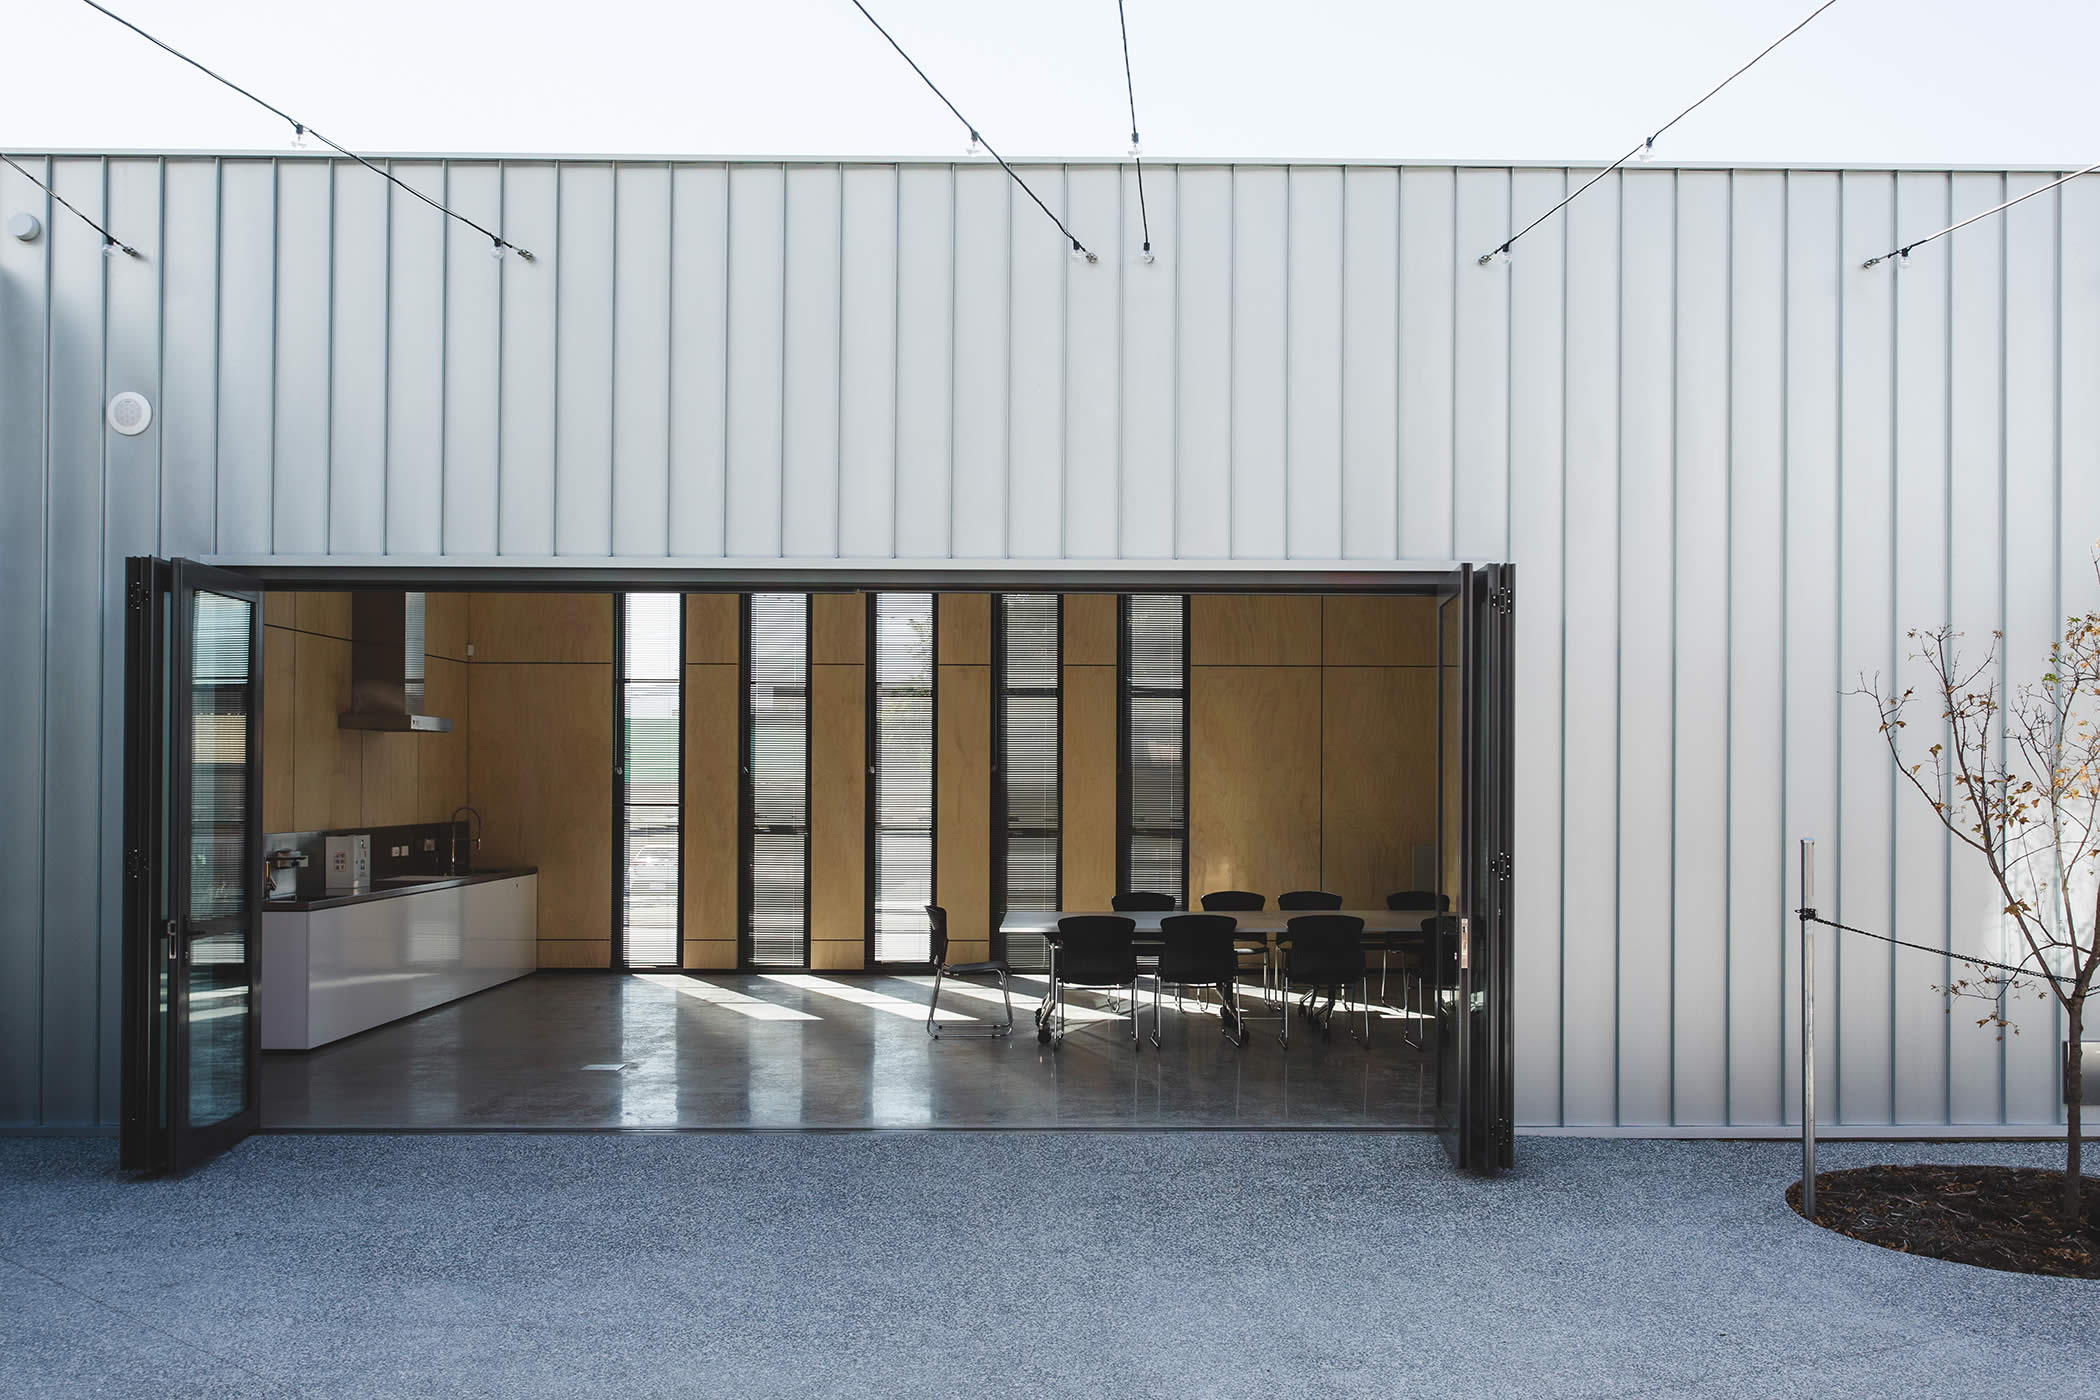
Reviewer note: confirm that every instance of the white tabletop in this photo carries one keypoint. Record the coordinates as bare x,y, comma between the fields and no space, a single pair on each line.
1267,921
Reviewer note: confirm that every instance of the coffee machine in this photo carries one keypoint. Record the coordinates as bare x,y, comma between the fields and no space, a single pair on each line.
284,867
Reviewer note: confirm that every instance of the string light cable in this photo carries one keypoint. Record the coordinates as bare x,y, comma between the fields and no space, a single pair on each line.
1646,148
111,244
1902,254
498,244
1136,150
1079,250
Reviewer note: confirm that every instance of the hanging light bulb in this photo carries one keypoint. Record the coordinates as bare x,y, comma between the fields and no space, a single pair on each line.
1646,152
1135,149
109,246
298,137
976,147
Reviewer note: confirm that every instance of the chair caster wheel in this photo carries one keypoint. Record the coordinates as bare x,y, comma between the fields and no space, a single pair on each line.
1042,1034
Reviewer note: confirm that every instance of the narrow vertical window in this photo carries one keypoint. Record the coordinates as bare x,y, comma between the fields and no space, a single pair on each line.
1154,787
901,796
776,768
648,760
1026,656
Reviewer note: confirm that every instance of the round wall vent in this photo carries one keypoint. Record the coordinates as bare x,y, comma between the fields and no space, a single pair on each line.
129,413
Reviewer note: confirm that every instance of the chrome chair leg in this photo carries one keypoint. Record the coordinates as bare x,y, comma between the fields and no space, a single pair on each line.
935,1004
1284,1036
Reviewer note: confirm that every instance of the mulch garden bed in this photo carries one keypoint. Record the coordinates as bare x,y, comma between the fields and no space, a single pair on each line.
1996,1217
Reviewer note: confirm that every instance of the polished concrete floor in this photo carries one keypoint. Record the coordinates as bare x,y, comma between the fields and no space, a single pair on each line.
721,1050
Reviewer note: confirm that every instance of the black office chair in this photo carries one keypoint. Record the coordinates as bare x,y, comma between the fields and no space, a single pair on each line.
1412,955
937,926
1308,899
1142,902
1092,951
1196,950
1250,945
1324,952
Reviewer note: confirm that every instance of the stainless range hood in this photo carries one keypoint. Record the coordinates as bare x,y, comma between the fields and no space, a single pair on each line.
386,666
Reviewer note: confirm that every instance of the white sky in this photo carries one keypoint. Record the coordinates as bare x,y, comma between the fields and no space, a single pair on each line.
1929,81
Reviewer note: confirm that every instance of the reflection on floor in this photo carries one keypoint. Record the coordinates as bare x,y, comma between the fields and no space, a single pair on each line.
804,1050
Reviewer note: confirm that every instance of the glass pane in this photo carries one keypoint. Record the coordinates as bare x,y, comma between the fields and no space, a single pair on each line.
218,1031
651,760
903,775
1155,863
651,932
779,720
777,917
221,701
651,641
1448,807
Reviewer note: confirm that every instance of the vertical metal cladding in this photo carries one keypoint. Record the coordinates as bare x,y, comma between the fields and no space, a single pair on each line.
1732,467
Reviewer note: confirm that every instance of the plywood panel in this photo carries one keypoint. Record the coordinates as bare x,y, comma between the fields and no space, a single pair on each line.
837,955
713,714
1367,630
519,627
539,743
1254,778
1245,629
838,629
1089,786
445,625
838,810
441,759
574,952
281,609
325,613
713,628
1090,629
963,631
1378,778
962,804
387,794
710,954
327,760
280,710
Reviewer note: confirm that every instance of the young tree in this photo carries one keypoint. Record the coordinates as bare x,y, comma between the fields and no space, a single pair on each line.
2018,783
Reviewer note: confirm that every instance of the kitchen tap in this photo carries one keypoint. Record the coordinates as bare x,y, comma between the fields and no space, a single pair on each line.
459,867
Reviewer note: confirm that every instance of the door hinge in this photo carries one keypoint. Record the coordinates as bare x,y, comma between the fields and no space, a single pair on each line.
1505,1134
1502,600
1501,866
135,864
137,595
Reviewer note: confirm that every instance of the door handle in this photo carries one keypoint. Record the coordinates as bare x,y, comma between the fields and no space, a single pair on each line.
1465,943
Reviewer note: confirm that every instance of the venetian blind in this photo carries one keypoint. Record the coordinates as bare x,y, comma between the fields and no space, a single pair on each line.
903,776
1155,715
650,810
778,758
1028,730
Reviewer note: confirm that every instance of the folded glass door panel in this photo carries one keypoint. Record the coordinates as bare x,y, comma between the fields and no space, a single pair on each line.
776,781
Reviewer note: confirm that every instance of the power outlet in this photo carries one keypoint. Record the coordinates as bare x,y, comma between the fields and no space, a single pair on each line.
430,843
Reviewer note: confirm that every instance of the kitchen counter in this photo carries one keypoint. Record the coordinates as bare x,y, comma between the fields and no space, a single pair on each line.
393,887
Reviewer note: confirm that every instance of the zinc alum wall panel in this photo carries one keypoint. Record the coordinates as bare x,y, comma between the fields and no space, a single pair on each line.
1919,581
983,253
414,404
24,373
300,418
1428,310
75,593
925,359
473,327
1975,578
1537,369
1759,839
531,325
1647,570
868,363
1149,351
1480,369
1093,366
642,361
1203,399
1035,484
1260,282
810,427
1699,676
1864,877
1370,360
247,340
1590,765
1812,677
186,416
583,362
2032,576
757,284
1313,365
357,325
699,355
2078,506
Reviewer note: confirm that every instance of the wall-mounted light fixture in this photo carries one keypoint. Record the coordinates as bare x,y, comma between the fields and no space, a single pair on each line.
129,413
26,227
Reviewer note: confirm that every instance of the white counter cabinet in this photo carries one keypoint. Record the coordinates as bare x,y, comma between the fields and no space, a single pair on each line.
335,971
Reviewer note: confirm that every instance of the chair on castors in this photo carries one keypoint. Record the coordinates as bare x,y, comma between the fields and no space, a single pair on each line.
1092,951
1412,956
1324,952
1196,950
1250,945
937,926
1142,902
1308,899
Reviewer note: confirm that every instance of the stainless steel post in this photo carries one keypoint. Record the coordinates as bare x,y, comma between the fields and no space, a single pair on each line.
1807,913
